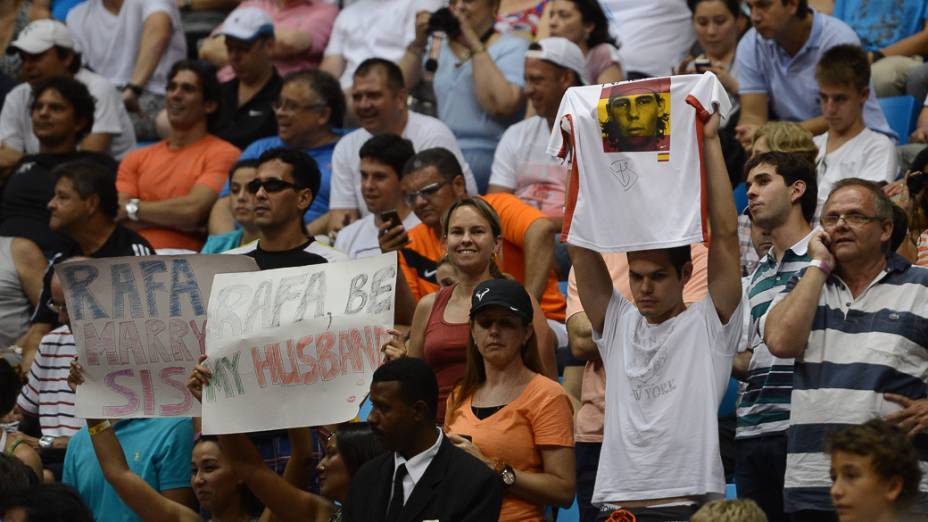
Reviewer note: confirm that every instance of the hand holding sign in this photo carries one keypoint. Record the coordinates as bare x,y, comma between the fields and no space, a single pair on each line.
139,325
295,346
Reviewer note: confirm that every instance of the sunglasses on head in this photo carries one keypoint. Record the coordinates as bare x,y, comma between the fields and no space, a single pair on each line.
270,185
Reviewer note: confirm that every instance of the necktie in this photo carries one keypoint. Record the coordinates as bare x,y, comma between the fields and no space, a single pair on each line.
396,502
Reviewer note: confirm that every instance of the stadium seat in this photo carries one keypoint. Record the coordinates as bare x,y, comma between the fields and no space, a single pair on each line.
901,113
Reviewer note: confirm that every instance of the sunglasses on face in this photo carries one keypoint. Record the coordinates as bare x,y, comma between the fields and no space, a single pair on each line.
426,192
270,185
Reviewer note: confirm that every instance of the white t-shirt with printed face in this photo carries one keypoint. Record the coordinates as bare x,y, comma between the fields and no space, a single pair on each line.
359,239
869,155
109,116
369,28
665,383
110,43
637,177
425,132
522,165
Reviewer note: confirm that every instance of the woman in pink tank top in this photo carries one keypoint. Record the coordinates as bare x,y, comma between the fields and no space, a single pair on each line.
440,327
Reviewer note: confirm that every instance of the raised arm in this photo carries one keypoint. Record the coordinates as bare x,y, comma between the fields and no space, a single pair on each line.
724,252
285,500
787,326
143,499
594,285
538,248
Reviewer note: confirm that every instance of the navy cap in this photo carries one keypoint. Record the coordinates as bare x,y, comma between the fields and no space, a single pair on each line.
507,293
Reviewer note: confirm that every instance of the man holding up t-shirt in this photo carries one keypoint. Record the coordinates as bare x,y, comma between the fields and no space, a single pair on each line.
668,364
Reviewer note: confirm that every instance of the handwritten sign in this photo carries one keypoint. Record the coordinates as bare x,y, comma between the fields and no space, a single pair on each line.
295,346
139,325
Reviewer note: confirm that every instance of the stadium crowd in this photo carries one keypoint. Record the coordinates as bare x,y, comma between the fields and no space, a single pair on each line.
782,364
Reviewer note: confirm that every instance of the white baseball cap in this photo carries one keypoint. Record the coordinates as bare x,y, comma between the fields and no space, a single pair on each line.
248,23
40,36
562,52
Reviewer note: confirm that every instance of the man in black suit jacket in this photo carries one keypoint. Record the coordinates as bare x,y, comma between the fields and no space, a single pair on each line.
439,481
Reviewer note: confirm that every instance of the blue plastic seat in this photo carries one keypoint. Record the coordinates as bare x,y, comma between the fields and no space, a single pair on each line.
901,112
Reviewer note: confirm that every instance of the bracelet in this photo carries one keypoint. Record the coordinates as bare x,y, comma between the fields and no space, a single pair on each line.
103,426
821,265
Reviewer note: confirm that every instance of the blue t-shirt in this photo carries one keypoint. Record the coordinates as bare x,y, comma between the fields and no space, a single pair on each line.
789,81
477,131
881,23
61,8
157,450
323,157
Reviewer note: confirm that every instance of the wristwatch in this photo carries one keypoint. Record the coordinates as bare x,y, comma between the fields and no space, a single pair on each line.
506,473
136,89
46,441
132,209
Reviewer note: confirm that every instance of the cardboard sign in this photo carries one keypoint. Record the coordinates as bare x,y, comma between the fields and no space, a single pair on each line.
295,346
139,325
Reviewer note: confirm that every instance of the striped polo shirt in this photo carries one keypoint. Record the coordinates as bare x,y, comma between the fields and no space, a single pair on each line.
46,393
858,349
764,406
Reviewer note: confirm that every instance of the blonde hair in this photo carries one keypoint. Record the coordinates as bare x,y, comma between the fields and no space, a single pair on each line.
787,136
741,510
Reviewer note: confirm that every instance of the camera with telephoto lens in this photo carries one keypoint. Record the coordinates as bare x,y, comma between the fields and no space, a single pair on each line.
442,20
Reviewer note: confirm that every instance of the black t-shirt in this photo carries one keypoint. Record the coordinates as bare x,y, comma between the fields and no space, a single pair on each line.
285,258
241,126
24,207
122,242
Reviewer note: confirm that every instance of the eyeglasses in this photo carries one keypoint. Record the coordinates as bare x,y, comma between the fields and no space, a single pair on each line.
854,218
289,106
427,192
270,185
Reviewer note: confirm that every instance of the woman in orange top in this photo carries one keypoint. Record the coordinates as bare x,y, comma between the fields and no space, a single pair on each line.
518,422
472,235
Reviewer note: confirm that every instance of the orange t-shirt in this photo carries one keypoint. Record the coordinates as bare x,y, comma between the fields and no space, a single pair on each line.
540,416
157,173
419,256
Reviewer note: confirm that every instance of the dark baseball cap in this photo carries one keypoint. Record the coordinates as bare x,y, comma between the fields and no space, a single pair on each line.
507,293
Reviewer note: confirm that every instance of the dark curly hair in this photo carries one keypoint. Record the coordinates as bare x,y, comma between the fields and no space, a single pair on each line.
891,453
77,96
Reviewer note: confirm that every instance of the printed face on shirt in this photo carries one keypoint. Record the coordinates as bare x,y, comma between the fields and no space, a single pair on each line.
716,27
184,103
854,242
212,477
769,198
431,204
842,105
500,335
545,84
42,66
333,474
655,284
635,117
377,107
248,58
470,241
380,186
241,201
301,114
277,209
53,119
68,211
567,22
857,491
392,419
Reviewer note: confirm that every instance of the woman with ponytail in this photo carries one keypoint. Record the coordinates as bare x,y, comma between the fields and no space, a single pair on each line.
440,331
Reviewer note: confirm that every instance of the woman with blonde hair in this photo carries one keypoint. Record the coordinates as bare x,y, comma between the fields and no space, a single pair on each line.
472,234
784,136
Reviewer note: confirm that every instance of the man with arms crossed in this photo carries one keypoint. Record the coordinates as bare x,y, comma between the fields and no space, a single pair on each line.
678,364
